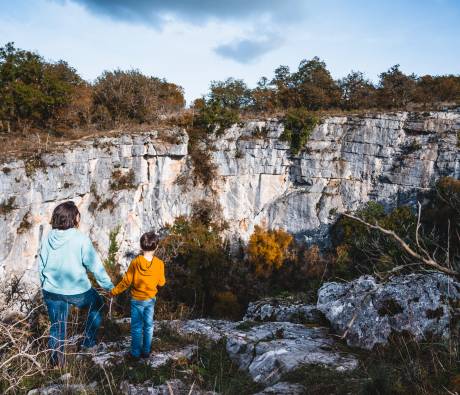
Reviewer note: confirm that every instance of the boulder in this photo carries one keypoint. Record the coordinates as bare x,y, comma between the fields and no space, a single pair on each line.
269,350
275,309
367,311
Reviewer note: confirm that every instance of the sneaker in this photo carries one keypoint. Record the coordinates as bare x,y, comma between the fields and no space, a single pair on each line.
145,355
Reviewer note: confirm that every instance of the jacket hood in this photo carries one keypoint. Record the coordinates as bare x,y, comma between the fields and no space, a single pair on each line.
57,238
146,266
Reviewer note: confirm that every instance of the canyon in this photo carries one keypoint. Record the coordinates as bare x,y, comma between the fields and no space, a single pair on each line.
134,182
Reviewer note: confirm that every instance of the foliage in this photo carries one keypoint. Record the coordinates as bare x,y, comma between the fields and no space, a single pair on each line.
357,91
298,125
123,96
441,218
314,85
122,180
268,250
33,91
215,371
396,88
231,93
111,264
198,259
405,366
361,250
8,205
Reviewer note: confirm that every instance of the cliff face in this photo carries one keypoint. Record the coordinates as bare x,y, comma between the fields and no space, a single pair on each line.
347,161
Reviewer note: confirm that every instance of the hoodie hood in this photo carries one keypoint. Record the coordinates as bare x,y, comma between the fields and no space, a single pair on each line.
57,238
146,267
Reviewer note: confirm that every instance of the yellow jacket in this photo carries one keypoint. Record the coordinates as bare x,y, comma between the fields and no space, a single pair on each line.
144,277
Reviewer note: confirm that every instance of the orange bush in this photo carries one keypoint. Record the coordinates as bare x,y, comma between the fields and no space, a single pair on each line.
267,250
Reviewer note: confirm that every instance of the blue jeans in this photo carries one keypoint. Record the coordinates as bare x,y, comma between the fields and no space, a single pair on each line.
58,310
141,326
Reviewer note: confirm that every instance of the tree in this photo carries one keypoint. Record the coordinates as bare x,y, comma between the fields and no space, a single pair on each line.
231,93
396,89
315,86
264,96
284,88
357,91
432,89
33,91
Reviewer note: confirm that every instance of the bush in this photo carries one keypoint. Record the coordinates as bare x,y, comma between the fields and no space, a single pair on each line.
298,125
361,250
129,96
268,250
122,180
198,259
33,92
232,93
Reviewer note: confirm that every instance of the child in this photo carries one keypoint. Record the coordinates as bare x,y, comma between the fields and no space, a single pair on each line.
144,274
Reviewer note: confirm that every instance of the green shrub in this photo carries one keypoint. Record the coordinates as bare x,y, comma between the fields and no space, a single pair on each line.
361,250
298,125
33,91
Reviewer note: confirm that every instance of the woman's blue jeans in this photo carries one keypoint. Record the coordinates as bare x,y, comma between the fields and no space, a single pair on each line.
142,312
58,311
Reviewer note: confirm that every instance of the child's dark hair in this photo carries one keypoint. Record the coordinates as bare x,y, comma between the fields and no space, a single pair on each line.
65,216
149,241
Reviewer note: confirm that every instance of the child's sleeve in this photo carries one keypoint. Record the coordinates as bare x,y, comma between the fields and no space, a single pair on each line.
126,281
93,263
161,274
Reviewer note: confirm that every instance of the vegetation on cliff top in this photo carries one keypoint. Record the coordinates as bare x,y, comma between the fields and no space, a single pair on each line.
47,101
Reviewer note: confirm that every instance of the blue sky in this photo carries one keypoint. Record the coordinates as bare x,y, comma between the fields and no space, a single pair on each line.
191,42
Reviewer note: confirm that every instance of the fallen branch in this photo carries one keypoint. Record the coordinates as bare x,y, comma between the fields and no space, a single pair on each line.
424,259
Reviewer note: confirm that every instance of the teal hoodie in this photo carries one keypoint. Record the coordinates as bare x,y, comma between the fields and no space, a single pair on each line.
64,259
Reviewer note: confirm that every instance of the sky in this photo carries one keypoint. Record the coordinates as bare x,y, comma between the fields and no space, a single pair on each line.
192,42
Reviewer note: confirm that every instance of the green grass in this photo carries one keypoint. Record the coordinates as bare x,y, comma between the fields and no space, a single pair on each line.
214,371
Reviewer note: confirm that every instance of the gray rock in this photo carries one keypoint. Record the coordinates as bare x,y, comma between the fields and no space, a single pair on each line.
417,304
284,388
284,310
176,387
110,354
58,389
269,350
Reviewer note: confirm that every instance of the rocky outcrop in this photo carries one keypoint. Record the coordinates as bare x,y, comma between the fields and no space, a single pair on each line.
269,350
283,310
367,312
284,388
170,387
347,161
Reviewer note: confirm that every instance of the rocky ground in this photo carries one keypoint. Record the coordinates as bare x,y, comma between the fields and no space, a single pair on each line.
278,345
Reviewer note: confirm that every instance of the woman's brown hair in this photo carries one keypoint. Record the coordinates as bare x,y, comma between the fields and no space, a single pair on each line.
65,216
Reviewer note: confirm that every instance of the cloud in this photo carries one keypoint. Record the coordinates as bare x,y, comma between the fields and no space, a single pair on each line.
248,50
156,12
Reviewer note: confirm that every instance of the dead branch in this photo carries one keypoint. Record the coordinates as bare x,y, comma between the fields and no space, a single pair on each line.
424,259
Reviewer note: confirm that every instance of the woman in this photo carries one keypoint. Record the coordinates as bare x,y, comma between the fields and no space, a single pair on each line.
65,256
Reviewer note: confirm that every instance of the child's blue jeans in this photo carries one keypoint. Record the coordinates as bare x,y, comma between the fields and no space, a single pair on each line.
142,326
58,311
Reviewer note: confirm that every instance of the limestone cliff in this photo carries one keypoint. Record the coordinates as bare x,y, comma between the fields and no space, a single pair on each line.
347,161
